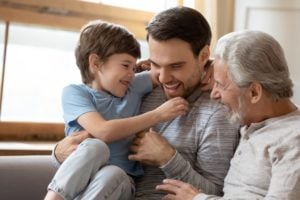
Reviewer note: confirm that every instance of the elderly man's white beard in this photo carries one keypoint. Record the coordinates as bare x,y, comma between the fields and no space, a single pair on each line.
236,117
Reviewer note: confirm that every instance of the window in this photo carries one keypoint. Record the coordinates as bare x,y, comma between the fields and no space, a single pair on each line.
40,61
2,34
152,6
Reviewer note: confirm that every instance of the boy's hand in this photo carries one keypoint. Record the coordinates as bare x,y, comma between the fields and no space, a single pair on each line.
172,108
143,65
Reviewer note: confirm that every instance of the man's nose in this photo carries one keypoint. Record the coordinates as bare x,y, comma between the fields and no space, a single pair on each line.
164,76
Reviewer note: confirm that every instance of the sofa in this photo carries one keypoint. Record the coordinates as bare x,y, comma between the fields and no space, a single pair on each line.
25,177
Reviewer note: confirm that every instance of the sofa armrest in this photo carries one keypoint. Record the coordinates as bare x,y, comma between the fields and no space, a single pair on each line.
25,177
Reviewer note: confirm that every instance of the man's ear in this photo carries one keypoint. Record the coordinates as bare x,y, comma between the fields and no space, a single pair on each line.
256,92
94,62
204,54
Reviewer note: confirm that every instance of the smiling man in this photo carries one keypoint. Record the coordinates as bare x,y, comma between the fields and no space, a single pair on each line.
175,66
197,147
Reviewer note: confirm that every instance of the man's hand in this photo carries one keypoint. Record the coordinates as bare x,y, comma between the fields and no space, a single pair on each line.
69,144
152,149
177,190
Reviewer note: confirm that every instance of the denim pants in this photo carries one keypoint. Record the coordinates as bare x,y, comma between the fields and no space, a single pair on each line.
85,175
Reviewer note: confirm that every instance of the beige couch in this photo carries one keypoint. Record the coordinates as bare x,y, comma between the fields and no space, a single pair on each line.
25,177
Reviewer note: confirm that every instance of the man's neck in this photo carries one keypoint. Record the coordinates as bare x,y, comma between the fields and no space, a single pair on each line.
283,107
272,108
194,95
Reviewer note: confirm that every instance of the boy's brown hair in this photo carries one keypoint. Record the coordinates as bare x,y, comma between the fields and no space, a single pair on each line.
103,39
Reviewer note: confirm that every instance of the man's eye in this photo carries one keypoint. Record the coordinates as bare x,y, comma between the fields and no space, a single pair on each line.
153,65
176,66
126,66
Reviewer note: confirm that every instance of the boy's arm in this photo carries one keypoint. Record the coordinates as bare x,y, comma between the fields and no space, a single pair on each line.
112,130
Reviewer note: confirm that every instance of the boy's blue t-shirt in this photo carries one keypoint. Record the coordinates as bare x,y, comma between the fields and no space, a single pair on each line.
80,99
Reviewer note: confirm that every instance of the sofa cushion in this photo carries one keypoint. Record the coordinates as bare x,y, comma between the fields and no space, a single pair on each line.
25,177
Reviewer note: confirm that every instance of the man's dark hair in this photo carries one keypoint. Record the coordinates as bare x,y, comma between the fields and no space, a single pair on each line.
184,23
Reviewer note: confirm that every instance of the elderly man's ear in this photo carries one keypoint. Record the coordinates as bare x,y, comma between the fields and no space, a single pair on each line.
255,92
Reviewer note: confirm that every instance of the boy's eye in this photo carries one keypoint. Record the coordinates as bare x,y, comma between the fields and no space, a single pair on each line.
129,67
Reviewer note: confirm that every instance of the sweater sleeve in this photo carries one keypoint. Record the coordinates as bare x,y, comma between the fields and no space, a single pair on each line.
216,147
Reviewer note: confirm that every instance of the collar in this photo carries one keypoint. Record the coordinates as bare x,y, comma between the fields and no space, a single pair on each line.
246,131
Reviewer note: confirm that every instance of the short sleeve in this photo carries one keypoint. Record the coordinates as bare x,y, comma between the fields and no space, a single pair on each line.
142,83
76,101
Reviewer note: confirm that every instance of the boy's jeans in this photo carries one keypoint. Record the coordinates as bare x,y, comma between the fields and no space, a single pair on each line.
84,175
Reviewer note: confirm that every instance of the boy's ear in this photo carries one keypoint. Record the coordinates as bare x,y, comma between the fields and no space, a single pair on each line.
94,62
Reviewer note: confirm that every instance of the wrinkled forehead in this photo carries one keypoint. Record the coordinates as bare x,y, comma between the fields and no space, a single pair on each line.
221,70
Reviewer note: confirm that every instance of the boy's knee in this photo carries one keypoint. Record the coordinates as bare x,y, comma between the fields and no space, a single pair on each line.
115,177
95,148
115,171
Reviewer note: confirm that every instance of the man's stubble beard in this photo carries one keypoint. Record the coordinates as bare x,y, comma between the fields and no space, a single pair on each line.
187,92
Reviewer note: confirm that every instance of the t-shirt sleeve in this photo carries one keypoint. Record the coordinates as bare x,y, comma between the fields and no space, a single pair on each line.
75,102
142,83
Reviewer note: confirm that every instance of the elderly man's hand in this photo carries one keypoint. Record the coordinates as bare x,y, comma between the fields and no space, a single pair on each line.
152,149
69,144
177,190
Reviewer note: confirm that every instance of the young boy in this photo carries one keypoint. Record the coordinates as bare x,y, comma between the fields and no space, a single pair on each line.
106,105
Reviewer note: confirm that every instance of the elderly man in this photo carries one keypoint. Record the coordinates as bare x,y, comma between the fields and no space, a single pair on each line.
252,81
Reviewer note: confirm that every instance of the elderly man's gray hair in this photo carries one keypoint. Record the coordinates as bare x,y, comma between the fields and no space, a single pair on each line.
256,56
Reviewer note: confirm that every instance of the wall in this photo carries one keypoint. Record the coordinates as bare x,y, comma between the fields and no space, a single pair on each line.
279,18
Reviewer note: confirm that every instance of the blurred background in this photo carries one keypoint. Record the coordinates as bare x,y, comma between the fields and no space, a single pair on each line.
37,41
